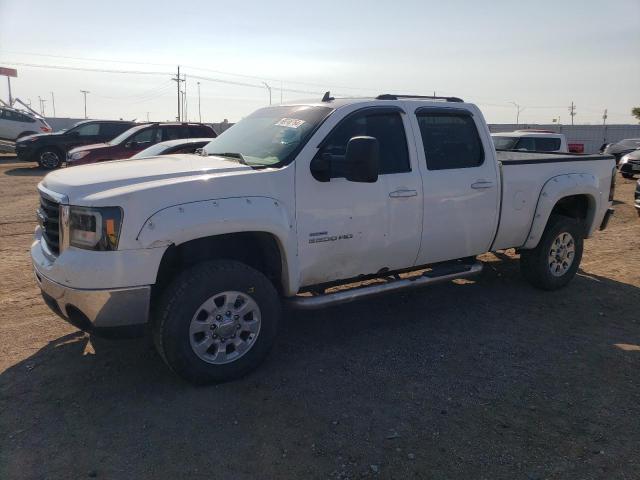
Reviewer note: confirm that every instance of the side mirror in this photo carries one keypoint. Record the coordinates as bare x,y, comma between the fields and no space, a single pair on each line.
363,159
321,167
131,144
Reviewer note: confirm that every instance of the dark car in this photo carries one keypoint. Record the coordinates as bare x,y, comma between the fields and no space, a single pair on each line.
621,148
184,145
630,164
50,149
137,139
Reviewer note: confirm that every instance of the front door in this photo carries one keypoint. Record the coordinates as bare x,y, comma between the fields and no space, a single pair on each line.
461,190
345,228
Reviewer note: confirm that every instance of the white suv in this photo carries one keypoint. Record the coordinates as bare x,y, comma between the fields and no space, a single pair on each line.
531,140
15,124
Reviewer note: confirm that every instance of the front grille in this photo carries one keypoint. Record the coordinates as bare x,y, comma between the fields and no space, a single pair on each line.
49,219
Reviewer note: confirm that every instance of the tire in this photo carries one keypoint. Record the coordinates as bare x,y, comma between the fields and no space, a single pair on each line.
182,310
627,175
535,264
49,158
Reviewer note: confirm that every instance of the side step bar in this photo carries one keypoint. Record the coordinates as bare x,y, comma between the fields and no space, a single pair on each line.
428,278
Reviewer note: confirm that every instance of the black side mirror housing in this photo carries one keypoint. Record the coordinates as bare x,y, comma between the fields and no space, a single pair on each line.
363,159
321,167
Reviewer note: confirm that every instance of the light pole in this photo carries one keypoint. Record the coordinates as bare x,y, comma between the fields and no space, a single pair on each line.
53,104
268,88
84,92
518,110
199,111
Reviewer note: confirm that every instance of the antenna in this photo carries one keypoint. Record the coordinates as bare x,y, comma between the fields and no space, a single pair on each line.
327,97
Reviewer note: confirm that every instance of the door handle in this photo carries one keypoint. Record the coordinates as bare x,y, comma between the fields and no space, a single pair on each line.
403,193
481,184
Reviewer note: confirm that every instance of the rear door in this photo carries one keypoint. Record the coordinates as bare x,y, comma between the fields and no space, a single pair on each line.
461,190
174,132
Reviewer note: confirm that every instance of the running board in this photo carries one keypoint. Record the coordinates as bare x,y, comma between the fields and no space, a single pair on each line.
427,278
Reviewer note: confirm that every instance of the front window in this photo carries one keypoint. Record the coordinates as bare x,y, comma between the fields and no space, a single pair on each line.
270,136
505,143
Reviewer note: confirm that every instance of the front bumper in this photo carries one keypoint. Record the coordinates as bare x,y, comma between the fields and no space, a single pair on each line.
89,309
26,152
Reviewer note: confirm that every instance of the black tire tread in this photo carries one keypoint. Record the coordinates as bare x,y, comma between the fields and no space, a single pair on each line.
182,284
533,263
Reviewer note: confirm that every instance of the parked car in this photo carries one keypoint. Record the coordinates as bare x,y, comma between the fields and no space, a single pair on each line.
530,140
50,149
185,145
294,199
15,124
621,148
630,164
137,139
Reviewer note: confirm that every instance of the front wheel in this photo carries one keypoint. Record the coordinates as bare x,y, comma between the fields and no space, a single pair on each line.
555,261
217,321
49,158
627,175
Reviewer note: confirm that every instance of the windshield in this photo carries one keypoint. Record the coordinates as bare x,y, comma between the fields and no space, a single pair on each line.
505,143
157,149
124,135
270,136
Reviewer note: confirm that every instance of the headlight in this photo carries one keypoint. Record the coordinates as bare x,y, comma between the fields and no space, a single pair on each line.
79,155
624,160
94,228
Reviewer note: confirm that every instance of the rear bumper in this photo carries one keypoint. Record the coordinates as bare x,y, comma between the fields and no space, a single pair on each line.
95,309
607,217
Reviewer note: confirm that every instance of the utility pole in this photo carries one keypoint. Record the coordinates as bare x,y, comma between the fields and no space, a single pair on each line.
178,80
268,88
84,92
280,91
572,111
53,104
604,117
518,110
199,110
147,116
184,108
42,102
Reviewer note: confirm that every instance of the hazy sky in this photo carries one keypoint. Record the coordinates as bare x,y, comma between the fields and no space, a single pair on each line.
541,54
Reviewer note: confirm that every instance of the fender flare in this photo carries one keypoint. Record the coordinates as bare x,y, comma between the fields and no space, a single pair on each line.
184,222
554,190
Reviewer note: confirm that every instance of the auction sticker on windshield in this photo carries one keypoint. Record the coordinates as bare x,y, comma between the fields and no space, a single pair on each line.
290,122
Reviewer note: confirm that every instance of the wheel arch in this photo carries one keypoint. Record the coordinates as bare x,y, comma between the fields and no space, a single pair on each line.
255,231
571,195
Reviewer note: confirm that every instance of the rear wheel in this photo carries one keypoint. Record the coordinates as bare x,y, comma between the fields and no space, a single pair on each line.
49,158
555,261
217,321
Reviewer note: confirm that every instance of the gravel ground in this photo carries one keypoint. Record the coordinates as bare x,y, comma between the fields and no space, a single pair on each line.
488,379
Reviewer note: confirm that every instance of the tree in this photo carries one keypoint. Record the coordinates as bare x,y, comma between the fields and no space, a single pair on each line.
635,111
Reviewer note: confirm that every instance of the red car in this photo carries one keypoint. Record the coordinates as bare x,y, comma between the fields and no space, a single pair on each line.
135,140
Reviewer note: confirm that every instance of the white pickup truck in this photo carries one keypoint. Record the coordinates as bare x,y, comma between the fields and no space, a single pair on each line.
294,201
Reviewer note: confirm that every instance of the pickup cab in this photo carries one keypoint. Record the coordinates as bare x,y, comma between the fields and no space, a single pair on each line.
298,204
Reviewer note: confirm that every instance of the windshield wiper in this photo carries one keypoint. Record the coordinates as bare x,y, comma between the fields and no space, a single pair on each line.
237,156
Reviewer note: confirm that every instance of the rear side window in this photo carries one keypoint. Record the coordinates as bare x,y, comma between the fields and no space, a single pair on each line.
200,131
111,130
174,132
450,141
547,144
387,127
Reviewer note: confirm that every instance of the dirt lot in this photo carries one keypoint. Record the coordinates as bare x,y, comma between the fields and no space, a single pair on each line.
483,380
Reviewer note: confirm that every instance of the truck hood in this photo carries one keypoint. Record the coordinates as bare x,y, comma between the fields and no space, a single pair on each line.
96,183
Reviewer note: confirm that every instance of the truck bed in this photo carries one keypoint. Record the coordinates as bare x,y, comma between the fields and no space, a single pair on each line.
524,174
